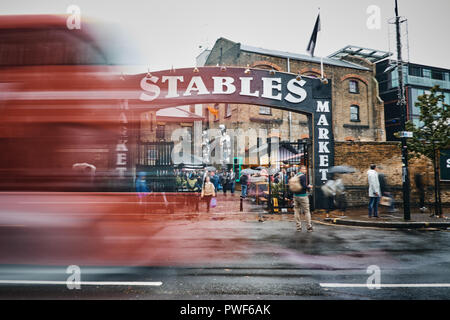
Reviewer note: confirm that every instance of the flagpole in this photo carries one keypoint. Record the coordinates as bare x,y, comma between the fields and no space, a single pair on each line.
321,57
321,67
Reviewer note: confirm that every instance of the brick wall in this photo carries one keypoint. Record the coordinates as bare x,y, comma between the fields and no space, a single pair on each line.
386,155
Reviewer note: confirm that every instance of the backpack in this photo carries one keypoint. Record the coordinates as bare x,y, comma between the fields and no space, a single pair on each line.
294,184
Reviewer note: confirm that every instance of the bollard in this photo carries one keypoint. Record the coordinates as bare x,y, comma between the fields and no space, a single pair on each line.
241,207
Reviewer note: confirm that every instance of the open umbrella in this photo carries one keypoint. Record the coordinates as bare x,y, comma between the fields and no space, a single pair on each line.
84,165
249,171
341,169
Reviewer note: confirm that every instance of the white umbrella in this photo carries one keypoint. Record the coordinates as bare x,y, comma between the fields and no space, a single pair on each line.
249,171
83,165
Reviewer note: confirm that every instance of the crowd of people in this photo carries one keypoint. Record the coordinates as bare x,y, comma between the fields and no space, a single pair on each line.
194,180
207,183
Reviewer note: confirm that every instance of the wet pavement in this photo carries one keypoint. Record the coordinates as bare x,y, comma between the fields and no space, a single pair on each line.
237,257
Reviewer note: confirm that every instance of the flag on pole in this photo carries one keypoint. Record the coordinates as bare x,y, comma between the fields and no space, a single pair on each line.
313,40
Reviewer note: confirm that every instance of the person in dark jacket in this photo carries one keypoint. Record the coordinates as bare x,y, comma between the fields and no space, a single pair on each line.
418,179
214,178
244,185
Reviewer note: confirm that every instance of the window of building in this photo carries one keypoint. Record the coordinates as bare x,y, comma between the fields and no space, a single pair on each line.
447,98
354,113
394,79
312,75
415,71
437,75
415,93
227,110
265,110
427,73
160,131
353,86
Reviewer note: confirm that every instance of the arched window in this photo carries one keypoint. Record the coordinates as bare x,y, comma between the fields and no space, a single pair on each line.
312,74
354,113
353,86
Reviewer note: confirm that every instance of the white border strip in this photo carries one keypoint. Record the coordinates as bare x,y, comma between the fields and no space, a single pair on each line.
83,283
386,285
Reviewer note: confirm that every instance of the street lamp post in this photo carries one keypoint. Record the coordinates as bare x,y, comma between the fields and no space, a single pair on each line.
402,105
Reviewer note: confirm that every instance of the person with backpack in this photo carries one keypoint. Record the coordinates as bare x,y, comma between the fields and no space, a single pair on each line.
299,187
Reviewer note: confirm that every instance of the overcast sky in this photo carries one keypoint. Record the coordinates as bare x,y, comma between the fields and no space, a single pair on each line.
171,31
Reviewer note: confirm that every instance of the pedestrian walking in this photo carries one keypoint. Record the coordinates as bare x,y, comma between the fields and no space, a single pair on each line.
223,182
232,181
208,192
285,176
244,185
374,190
300,187
214,179
418,179
386,192
143,191
329,190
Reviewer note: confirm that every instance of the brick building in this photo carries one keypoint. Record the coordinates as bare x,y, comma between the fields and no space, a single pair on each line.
357,109
357,106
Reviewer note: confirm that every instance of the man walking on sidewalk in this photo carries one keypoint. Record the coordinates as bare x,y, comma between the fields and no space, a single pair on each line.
301,202
374,191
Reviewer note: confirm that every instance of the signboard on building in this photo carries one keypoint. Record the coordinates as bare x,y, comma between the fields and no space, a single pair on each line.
444,162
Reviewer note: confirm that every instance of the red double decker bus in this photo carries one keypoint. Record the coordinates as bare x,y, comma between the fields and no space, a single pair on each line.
67,142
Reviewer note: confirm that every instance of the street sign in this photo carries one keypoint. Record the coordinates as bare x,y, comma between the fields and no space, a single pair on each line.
404,134
444,167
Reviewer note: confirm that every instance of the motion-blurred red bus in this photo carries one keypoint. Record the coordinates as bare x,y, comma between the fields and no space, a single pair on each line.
67,136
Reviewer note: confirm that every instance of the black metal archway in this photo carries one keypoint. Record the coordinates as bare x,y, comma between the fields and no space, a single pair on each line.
280,90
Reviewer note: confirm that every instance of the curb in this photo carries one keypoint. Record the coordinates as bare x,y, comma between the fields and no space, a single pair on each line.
389,225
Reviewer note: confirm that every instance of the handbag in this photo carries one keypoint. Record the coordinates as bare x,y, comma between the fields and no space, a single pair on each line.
213,203
386,201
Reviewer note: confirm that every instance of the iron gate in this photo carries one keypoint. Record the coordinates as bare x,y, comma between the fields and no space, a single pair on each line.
291,156
154,158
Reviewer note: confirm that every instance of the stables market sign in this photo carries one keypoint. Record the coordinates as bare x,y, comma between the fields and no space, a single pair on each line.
236,85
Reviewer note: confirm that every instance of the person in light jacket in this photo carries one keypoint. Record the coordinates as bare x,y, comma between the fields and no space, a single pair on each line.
208,191
374,191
